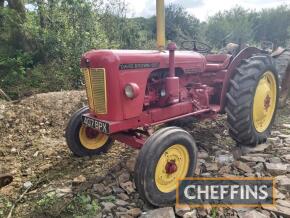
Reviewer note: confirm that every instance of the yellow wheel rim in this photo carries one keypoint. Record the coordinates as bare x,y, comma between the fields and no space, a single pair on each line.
172,165
264,101
92,141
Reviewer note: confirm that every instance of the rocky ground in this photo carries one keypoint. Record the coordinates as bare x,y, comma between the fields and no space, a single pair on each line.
50,182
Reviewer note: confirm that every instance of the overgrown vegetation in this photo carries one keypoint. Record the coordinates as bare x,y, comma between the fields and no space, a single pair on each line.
41,41
79,205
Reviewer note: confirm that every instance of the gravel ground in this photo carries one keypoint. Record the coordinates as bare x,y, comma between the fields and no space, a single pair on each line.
57,184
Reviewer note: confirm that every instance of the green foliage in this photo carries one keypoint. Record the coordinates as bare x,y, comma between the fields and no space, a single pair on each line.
53,37
83,206
180,25
5,206
40,48
251,27
273,25
80,205
47,201
214,213
235,25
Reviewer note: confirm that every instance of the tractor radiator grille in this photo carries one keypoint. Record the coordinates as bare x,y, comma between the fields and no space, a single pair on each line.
95,80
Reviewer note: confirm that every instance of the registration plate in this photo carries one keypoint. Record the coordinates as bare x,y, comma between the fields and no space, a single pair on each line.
96,124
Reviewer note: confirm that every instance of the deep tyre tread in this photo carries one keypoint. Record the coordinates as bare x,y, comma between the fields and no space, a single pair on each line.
73,140
240,99
147,160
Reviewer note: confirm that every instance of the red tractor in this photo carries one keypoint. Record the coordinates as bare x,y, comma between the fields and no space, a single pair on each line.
130,92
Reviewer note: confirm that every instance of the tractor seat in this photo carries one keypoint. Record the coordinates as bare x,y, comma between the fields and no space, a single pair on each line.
216,62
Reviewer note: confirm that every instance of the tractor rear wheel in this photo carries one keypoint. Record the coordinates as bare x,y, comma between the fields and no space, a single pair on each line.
83,140
167,155
252,101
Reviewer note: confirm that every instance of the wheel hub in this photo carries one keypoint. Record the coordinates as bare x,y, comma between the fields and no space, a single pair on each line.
91,133
171,167
267,102
92,139
264,101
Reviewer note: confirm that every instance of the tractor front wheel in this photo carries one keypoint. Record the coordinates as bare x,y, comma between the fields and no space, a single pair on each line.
252,101
83,140
168,155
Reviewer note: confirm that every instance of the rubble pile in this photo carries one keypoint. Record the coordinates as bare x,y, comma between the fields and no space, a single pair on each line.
34,151
266,160
42,114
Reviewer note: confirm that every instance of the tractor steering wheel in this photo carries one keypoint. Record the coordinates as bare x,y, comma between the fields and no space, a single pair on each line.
196,46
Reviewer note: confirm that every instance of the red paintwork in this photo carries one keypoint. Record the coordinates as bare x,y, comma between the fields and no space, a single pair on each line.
197,87
91,133
130,139
172,47
244,54
170,167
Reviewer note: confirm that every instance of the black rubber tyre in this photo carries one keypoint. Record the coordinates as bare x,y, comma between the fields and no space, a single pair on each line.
73,139
282,63
148,158
240,98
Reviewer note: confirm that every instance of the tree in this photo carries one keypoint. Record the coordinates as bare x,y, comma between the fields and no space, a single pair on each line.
272,25
180,25
235,24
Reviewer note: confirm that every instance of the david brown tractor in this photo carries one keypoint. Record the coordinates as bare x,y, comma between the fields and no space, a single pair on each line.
130,92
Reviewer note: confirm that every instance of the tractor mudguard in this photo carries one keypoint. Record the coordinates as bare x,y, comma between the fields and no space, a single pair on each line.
242,55
278,52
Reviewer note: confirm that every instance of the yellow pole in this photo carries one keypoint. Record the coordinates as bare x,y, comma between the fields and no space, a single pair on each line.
160,16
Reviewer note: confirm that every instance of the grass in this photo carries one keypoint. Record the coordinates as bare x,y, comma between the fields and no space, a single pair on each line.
79,205
5,206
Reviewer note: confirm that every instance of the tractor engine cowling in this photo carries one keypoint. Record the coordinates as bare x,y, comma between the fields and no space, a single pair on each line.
137,81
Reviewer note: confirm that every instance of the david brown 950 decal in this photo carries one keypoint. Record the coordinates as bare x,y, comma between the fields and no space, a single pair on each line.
133,66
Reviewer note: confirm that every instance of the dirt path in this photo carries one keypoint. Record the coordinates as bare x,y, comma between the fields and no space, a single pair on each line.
34,151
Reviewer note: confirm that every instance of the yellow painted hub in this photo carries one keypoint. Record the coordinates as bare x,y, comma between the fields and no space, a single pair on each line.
264,101
172,165
92,143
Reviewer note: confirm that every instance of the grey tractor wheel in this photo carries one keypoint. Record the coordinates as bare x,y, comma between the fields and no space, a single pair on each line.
252,101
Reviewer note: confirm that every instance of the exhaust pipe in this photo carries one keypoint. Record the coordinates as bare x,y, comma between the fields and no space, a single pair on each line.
171,81
160,18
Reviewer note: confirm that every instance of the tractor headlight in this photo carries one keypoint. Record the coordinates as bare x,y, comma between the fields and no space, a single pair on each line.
131,90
